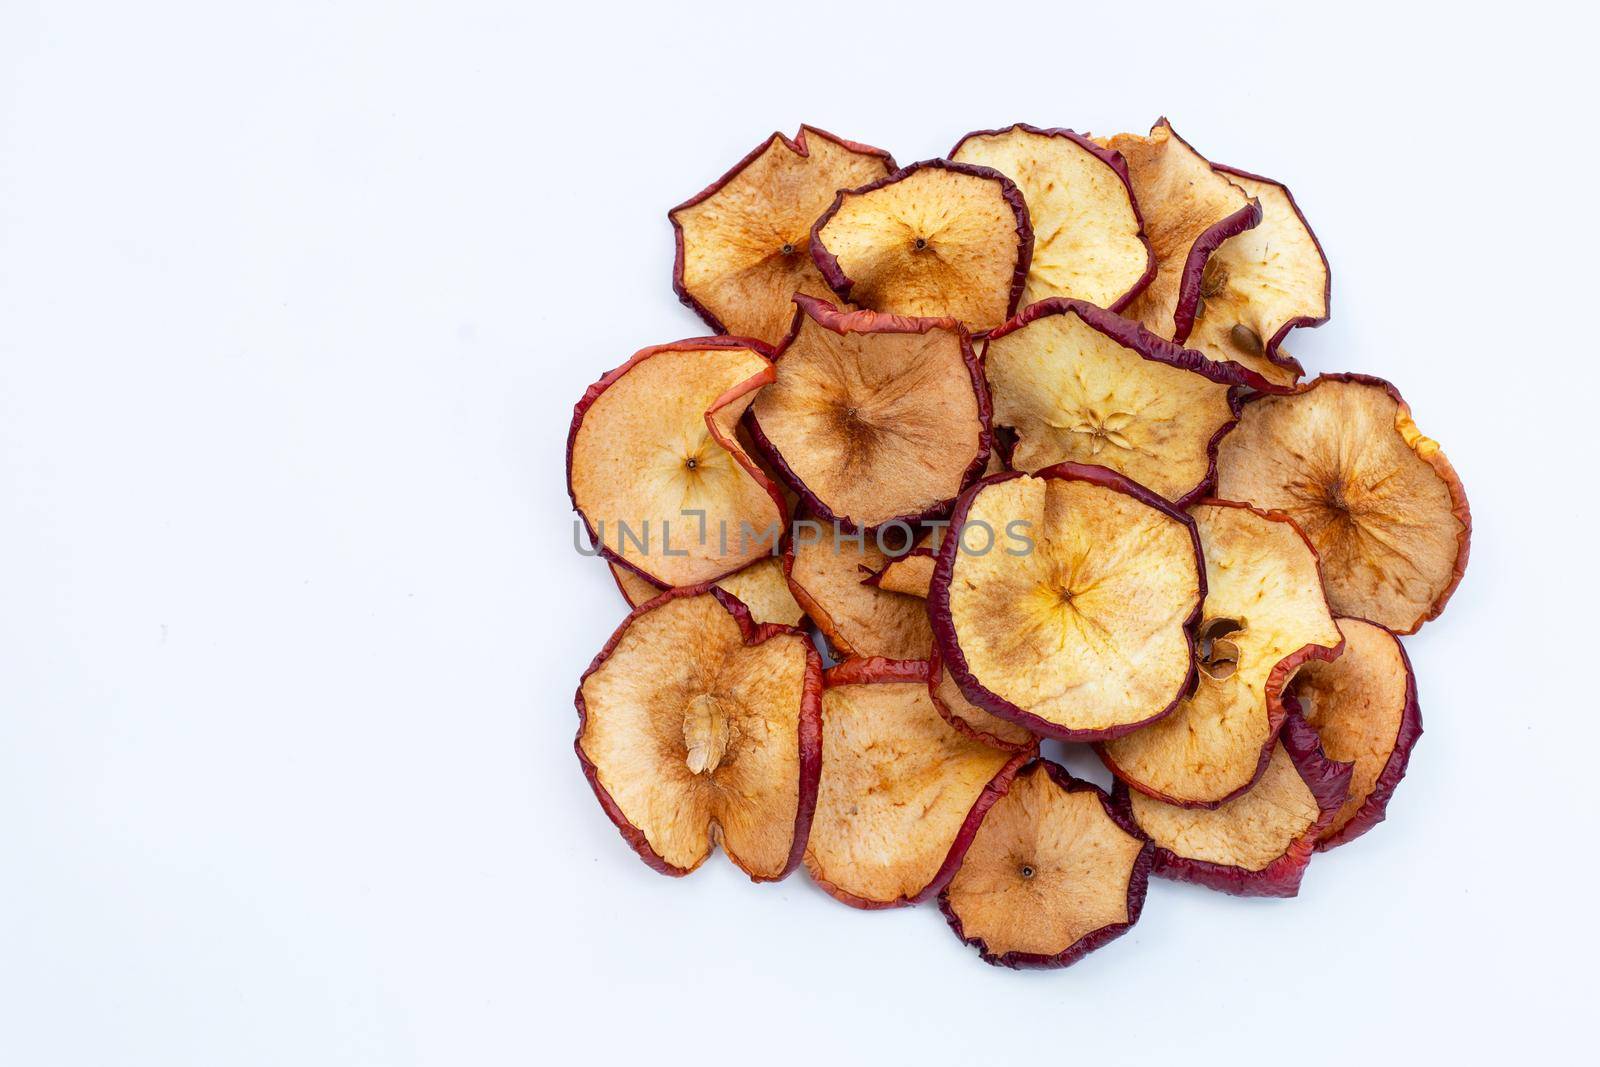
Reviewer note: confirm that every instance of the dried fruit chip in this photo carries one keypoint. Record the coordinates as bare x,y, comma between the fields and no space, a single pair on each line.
761,587
935,238
1265,615
910,574
825,574
1088,238
970,719
1380,502
1085,629
1363,706
1259,285
652,444
697,726
744,244
874,418
1257,845
1054,872
1189,210
1077,383
902,792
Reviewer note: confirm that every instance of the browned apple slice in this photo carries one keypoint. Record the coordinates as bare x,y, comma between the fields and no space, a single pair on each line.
1258,844
761,587
697,726
656,472
825,574
1265,615
1363,706
932,239
910,574
1260,284
1380,502
970,719
874,418
1054,872
1078,384
902,791
1189,210
744,243
1088,238
1068,600
634,587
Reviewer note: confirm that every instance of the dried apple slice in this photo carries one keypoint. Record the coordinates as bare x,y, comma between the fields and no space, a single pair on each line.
1262,283
634,587
744,244
1363,706
1054,872
932,239
874,418
1088,238
1077,621
910,574
1189,210
970,719
1380,502
1265,615
656,472
697,726
902,792
761,587
825,574
1258,844
1076,383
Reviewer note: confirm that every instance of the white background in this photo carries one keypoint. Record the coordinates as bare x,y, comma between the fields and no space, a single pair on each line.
295,300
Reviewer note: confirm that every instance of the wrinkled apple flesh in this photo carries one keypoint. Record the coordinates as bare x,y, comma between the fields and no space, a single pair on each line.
902,791
1085,634
1088,237
1265,615
744,244
698,727
934,239
1384,508
1079,385
1052,874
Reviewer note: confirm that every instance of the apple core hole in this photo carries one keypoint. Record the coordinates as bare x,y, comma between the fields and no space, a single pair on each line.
1218,656
920,243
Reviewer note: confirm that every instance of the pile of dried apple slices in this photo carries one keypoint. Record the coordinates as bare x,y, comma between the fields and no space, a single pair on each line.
988,453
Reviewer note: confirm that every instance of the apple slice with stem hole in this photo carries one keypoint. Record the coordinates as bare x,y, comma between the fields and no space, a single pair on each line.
1260,284
697,726
1067,601
1259,843
1363,706
970,719
744,243
902,791
1189,211
1088,237
1265,615
933,239
656,471
761,587
1054,872
1380,501
1078,384
825,571
874,418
